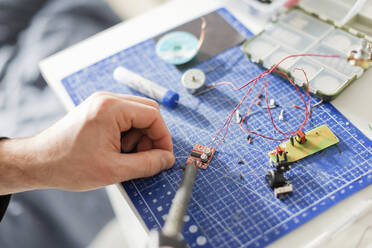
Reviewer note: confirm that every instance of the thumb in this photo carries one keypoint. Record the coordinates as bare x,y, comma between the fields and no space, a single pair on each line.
144,164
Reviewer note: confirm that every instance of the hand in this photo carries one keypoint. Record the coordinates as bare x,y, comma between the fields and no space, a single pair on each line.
82,150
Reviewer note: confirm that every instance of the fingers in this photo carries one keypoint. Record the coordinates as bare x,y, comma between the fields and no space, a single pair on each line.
143,164
131,139
138,99
137,115
135,138
144,144
128,112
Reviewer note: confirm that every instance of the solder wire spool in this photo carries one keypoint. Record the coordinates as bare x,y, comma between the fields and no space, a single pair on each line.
180,47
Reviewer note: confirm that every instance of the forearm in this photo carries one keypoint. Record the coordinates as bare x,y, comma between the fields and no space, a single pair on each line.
17,162
82,150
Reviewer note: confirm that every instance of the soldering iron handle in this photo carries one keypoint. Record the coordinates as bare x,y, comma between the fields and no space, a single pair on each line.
174,223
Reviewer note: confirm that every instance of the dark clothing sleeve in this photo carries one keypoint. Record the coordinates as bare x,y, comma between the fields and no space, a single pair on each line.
4,199
4,202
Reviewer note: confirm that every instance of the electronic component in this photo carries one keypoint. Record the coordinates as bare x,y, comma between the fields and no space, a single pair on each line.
275,178
208,151
249,138
280,192
201,156
193,80
290,151
204,158
362,56
300,137
195,154
238,118
307,143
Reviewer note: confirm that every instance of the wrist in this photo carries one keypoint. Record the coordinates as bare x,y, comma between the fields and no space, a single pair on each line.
18,165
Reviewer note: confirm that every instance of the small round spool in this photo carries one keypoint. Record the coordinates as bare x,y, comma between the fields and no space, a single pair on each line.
193,80
177,47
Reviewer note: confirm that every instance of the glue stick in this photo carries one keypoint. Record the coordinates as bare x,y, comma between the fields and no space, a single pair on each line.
167,97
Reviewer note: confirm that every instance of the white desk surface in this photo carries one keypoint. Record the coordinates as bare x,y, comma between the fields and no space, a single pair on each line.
355,103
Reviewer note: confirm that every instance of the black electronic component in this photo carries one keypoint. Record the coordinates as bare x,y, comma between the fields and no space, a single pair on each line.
275,178
195,154
278,183
249,138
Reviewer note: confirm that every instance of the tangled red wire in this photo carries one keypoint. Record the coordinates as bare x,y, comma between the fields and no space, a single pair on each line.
264,87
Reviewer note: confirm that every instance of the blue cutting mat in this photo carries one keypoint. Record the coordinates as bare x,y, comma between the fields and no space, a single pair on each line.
226,210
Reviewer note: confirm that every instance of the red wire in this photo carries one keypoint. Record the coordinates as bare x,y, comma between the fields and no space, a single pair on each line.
255,80
307,107
227,122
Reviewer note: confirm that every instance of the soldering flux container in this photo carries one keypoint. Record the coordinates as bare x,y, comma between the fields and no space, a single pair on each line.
165,96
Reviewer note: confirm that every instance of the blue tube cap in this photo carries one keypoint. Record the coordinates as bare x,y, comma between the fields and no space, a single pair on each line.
170,99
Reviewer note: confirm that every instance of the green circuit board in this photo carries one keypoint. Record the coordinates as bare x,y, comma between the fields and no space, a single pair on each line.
317,139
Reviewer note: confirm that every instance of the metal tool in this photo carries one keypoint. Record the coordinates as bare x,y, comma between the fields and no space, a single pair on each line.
170,235
193,80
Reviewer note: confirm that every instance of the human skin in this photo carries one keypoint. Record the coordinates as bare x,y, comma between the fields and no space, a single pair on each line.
82,151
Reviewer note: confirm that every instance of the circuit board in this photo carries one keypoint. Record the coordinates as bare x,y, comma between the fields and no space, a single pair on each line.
197,153
317,140
232,205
